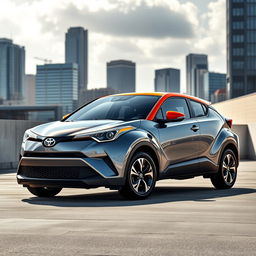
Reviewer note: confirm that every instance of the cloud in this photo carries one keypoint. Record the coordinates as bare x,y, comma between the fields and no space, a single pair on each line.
153,33
141,21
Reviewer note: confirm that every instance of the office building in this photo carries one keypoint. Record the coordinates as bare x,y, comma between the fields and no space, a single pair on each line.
92,94
57,84
29,88
76,51
196,66
12,70
121,75
214,81
241,47
167,80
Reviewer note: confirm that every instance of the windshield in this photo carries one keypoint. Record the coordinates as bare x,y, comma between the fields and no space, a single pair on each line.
126,108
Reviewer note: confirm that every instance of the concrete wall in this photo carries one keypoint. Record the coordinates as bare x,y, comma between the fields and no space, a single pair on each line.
242,109
11,134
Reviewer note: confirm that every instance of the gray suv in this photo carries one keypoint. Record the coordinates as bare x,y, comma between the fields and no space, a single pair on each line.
128,142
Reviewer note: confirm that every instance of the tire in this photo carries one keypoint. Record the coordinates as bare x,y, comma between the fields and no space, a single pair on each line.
226,176
141,177
44,191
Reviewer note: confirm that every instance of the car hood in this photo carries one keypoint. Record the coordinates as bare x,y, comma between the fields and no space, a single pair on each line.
60,129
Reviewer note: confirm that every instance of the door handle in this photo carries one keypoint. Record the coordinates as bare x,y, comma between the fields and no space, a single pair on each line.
195,128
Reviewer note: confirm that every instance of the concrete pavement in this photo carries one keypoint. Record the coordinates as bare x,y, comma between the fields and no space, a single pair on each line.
181,218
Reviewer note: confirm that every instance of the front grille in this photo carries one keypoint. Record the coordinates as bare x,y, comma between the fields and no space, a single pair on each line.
55,154
58,172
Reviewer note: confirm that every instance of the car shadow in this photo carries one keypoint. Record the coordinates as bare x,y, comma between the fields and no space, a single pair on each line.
160,195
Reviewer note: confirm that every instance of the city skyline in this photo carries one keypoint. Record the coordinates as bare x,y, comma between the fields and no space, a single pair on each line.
152,44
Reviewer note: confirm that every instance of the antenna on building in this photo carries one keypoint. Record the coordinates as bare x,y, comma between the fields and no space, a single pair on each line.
46,61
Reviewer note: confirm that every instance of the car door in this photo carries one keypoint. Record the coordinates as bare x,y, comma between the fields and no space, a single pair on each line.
210,124
179,139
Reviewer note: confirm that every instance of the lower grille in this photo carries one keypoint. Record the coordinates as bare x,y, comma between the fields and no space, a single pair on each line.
58,172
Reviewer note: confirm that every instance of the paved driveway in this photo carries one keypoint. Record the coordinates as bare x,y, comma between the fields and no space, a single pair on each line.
180,218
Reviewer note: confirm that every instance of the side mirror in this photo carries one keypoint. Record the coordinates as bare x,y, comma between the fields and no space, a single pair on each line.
65,116
174,116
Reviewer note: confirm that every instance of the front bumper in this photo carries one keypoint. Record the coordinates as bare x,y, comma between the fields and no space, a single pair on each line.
67,172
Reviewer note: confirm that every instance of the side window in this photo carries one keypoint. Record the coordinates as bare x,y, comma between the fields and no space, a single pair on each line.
176,104
159,114
198,108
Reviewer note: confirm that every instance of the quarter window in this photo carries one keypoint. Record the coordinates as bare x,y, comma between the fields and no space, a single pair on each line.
176,104
198,108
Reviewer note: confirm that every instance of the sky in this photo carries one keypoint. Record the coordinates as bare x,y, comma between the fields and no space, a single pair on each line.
153,33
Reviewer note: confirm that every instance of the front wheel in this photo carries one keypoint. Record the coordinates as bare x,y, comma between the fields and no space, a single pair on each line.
226,176
44,191
141,177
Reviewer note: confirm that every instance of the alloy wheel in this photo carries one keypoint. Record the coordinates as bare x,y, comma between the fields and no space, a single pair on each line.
229,168
141,176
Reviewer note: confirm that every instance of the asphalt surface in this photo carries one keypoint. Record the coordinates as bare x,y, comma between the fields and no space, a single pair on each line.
181,218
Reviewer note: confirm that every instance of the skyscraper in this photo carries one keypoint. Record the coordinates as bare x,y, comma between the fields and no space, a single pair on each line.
12,70
167,80
196,66
57,84
214,81
241,47
121,75
76,51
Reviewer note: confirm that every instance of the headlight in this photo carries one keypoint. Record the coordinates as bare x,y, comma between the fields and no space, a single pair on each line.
28,135
104,136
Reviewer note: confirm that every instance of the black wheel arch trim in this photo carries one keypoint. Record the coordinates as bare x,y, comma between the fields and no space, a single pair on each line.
141,145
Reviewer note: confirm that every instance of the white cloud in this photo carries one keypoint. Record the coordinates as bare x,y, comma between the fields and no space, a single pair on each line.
153,33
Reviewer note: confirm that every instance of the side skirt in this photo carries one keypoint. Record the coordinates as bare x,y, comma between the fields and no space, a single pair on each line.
189,169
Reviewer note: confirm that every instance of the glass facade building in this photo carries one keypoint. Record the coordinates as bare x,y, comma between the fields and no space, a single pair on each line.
167,80
121,75
57,84
214,81
196,67
12,70
76,51
241,47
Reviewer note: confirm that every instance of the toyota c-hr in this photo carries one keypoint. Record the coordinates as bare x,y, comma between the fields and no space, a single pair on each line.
128,142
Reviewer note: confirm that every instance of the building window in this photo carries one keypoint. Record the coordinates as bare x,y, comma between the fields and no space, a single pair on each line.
251,36
238,51
251,1
251,22
251,50
251,63
238,64
238,25
238,38
238,1
251,10
238,12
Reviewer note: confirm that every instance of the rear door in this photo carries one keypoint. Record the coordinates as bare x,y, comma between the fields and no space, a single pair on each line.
179,140
209,123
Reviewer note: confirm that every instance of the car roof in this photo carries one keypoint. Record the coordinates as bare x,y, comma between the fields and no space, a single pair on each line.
166,95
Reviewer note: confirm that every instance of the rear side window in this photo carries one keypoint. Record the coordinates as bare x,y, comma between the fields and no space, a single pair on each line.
198,108
176,104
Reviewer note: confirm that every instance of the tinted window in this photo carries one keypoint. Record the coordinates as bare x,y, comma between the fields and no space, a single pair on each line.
176,104
128,107
198,108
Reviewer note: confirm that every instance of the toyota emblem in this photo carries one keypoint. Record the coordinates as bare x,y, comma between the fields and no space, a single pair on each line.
49,142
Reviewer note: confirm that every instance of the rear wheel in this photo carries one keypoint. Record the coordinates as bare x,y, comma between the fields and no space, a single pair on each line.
44,191
141,177
226,176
